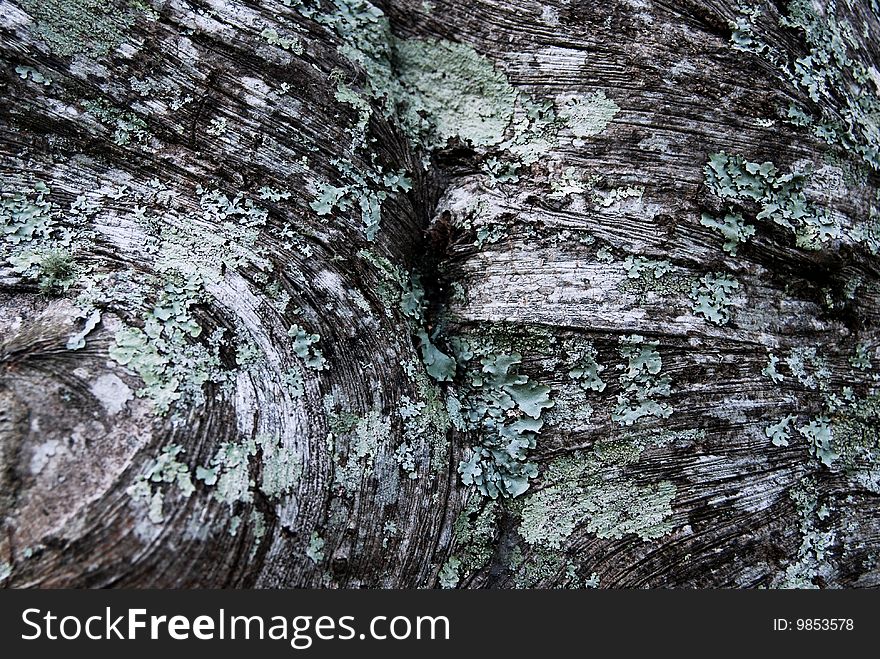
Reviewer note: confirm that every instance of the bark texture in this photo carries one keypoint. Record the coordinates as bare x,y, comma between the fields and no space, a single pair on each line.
420,294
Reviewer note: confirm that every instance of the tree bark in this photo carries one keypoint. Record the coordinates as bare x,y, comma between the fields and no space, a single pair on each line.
422,294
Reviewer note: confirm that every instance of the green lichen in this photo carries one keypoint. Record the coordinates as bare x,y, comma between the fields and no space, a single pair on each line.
218,126
770,369
92,27
808,368
126,125
439,365
641,382
818,435
165,343
294,382
540,566
856,440
361,190
712,297
25,72
77,340
862,357
315,549
228,473
355,448
345,94
835,74
427,417
449,573
290,43
448,90
586,489
504,407
474,535
779,433
648,278
778,197
628,508
29,224
304,348
161,474
588,115
616,196
163,353
812,560
733,229
584,369
280,466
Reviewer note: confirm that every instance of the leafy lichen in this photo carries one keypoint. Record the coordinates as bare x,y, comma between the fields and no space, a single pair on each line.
505,408
641,382
712,297
779,198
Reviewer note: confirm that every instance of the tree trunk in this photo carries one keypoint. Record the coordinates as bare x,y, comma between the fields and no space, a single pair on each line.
460,294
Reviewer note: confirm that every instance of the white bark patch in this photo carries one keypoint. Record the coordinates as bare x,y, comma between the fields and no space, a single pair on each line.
111,392
43,453
256,91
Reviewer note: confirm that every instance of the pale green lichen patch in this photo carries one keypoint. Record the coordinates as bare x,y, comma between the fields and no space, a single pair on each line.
474,536
812,561
732,227
361,190
650,278
779,433
229,472
844,433
163,354
712,297
126,125
778,197
861,359
770,369
818,435
68,27
459,91
588,115
835,74
289,42
856,440
165,344
315,549
25,72
505,408
627,508
584,369
163,472
355,446
541,566
587,488
448,576
304,346
641,382
280,466
36,243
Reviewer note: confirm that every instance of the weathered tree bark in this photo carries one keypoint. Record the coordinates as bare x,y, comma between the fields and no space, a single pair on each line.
475,294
